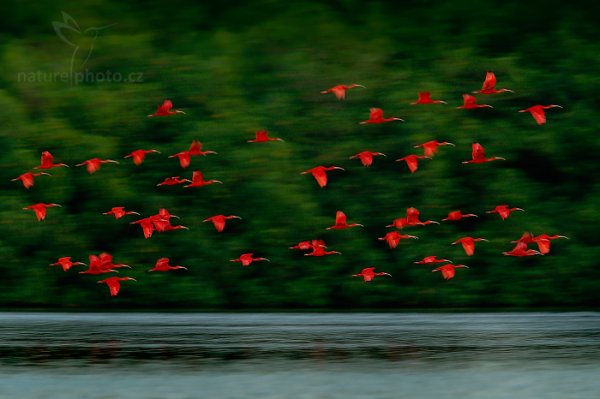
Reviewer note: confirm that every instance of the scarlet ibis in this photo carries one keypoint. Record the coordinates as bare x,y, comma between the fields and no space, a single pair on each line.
521,250
366,157
543,242
412,218
470,102
431,147
106,261
319,173
376,116
393,238
119,212
504,211
526,238
93,164
174,180
431,259
162,223
303,246
194,150
97,266
489,85
318,249
340,90
165,109
219,221
425,98
66,263
399,223
412,161
368,274
147,226
28,178
198,180
448,271
468,244
538,113
340,222
162,265
478,155
457,215
40,209
262,136
246,259
114,283
139,155
47,161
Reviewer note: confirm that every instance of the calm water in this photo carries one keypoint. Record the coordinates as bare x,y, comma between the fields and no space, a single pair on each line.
300,356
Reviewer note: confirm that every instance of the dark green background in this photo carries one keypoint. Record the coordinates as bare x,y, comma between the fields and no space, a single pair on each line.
238,68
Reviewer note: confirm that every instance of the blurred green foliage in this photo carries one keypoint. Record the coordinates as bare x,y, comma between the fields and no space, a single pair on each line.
261,65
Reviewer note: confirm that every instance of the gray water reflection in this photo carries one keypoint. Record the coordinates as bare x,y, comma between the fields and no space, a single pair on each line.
134,355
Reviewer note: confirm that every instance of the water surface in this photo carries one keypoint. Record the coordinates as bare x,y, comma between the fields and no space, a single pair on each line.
390,355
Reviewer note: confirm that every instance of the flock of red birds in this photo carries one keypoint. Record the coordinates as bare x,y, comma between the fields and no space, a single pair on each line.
161,222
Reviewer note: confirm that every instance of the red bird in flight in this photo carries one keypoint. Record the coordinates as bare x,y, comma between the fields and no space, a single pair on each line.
489,85
195,149
165,109
162,265
340,90
543,242
318,249
114,283
376,116
66,263
219,221
470,102
99,265
521,250
119,212
504,211
47,161
431,259
393,238
304,245
425,98
172,181
468,244
412,161
457,215
412,218
366,157
93,164
478,155
319,173
139,155
538,113
198,180
448,271
431,147
40,210
262,136
246,259
28,178
369,274
340,222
